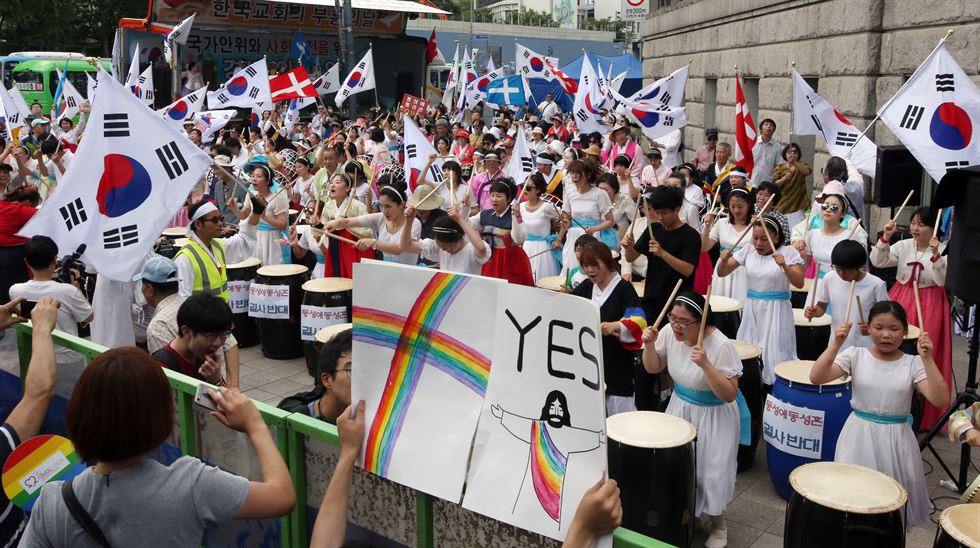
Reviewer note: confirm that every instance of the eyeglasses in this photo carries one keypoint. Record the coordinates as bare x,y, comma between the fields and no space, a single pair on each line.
833,208
677,323
218,335
216,219
348,371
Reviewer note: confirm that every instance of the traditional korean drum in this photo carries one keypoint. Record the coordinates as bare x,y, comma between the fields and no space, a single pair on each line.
240,277
551,283
911,342
812,336
326,301
959,526
279,336
727,315
321,338
800,296
651,457
837,504
172,233
793,387
750,384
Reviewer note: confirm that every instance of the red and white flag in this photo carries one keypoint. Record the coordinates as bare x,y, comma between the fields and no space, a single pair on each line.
567,83
294,84
745,135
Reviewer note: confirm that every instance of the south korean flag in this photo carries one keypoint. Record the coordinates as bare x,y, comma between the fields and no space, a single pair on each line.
246,88
127,181
936,115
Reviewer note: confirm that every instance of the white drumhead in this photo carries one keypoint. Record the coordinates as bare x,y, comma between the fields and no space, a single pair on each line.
329,285
913,333
747,351
293,212
962,522
551,283
328,332
807,283
282,270
181,242
649,430
724,304
848,487
247,263
302,229
798,371
615,254
800,320
175,232
639,287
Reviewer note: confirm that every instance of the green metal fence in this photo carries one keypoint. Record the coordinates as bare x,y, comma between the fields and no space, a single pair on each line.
293,432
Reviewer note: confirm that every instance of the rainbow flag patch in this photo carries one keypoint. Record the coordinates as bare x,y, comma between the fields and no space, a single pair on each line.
35,462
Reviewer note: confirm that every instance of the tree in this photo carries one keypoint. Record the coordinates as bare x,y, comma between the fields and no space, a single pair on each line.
85,26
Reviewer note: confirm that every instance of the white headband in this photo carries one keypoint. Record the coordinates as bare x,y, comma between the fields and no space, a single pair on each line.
208,207
693,304
544,160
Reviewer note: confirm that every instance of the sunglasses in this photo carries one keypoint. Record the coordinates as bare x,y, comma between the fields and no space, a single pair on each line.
833,208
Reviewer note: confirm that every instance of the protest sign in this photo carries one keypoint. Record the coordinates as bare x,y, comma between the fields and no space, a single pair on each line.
791,429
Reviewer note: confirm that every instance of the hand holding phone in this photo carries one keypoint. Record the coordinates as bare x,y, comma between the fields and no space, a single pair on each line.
203,399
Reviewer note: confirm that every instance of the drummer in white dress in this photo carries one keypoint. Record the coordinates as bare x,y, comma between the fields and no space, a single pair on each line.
725,232
532,228
877,433
274,222
767,318
387,227
819,242
706,385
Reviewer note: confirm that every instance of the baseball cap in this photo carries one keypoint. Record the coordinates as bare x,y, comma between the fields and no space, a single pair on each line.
158,270
39,122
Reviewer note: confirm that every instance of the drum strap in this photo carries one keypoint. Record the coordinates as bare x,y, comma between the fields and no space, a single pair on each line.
769,295
883,419
707,398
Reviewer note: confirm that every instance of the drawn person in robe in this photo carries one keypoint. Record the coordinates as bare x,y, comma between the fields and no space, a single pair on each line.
552,439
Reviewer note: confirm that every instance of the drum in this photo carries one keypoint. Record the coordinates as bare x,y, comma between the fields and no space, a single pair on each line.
812,336
240,277
800,296
293,216
181,242
793,387
640,287
321,338
751,387
651,456
727,315
972,493
959,526
837,504
911,342
175,232
551,283
326,301
278,315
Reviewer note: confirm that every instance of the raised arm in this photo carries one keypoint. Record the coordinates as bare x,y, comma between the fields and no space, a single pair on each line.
331,521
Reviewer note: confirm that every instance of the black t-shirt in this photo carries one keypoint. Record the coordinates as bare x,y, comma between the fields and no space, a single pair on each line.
618,370
13,517
683,243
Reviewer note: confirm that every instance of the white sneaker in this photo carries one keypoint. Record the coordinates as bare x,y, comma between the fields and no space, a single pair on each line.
717,539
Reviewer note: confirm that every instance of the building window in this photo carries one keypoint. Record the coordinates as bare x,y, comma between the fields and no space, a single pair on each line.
751,88
710,101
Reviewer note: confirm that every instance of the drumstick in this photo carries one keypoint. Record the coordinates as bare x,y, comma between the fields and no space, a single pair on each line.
670,301
748,228
452,188
918,306
236,180
901,207
806,227
639,200
704,317
714,201
768,237
431,193
935,228
541,252
850,298
336,237
816,281
857,298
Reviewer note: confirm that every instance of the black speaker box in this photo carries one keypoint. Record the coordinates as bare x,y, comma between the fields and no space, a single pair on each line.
898,172
961,188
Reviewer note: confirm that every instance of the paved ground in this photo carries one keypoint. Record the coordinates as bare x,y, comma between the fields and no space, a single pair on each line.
756,516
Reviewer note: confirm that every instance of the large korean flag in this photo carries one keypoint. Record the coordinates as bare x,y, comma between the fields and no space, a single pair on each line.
936,115
247,88
125,184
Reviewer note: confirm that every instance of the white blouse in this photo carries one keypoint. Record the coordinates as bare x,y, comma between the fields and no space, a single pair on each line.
904,255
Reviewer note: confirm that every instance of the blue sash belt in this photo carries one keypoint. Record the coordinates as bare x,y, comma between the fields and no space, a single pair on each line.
287,252
707,398
769,295
883,419
606,235
320,259
550,240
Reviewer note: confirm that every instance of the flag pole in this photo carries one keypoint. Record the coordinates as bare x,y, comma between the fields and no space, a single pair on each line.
371,49
901,89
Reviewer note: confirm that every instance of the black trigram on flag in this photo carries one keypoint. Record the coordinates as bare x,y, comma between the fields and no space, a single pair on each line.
527,54
73,214
70,101
142,80
115,125
665,98
527,164
581,115
148,94
250,71
253,93
944,82
120,237
912,117
668,121
172,160
222,98
816,121
411,151
956,164
845,139
435,173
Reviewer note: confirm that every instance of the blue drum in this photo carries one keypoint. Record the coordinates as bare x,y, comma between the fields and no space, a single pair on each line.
793,387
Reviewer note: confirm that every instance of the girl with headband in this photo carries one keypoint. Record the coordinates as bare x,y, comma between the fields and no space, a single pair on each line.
586,210
454,191
340,203
706,395
724,232
361,176
767,318
533,220
508,261
456,246
274,221
831,225
386,227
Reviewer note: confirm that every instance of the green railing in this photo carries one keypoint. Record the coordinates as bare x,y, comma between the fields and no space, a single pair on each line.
292,432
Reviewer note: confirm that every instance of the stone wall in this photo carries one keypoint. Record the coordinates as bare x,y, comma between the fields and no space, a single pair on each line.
861,51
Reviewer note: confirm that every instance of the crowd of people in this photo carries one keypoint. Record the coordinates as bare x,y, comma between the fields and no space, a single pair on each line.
599,212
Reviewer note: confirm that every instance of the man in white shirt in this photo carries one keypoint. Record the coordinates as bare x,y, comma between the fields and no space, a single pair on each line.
548,108
766,153
202,233
670,149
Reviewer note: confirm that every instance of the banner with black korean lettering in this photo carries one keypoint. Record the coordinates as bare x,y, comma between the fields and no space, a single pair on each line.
268,301
541,440
131,174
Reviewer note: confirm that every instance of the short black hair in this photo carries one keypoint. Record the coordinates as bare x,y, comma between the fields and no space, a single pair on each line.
889,307
204,313
223,150
770,120
49,146
232,142
848,254
447,230
610,179
40,252
666,197
538,183
331,352
584,240
771,188
377,135
927,217
622,160
836,169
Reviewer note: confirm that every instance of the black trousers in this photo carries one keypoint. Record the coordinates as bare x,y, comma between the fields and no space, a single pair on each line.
13,270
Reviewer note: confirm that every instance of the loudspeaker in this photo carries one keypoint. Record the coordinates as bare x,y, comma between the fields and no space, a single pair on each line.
897,173
961,188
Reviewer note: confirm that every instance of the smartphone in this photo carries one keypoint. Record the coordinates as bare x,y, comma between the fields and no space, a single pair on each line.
26,307
203,399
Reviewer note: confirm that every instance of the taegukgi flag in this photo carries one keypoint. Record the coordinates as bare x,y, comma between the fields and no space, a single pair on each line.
178,35
361,78
246,88
185,108
128,179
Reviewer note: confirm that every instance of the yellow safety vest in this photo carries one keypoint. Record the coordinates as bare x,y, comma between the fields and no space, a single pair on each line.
208,277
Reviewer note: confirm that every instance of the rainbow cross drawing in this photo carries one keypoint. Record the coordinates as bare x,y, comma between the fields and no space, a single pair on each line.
416,342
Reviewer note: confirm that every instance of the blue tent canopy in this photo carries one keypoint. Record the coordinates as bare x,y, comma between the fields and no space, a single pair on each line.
632,83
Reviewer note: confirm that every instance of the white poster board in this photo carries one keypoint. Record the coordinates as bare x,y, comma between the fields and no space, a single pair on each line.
315,318
791,429
268,301
421,362
238,296
541,441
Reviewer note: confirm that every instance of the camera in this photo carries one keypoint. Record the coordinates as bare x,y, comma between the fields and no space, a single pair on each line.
69,263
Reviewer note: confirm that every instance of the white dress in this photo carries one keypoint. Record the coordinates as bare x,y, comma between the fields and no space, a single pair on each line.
311,244
537,225
267,247
717,426
377,223
821,246
733,285
766,322
588,208
462,196
885,388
